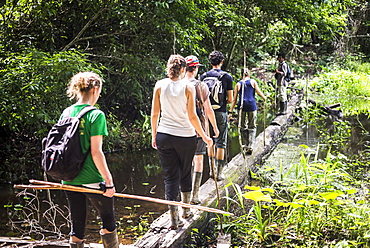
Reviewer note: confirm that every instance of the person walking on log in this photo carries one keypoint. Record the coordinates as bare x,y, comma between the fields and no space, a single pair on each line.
246,89
205,112
86,88
173,134
216,59
281,83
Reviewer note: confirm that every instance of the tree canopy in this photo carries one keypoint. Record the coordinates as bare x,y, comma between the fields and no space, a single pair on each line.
44,42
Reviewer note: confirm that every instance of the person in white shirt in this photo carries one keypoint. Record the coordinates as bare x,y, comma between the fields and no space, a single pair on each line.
173,134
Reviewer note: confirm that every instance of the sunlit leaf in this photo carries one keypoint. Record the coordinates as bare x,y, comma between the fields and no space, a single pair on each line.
252,187
331,195
257,196
301,187
267,169
303,146
295,205
280,203
352,191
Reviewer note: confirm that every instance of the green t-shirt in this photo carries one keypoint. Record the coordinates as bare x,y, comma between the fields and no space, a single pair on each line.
92,124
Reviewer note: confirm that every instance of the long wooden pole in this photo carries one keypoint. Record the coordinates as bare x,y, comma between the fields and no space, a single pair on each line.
264,123
51,185
213,158
241,111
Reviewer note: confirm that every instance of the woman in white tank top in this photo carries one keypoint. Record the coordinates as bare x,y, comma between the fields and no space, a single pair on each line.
173,134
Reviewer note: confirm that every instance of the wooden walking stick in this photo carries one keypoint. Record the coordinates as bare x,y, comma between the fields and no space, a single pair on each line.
50,185
264,123
241,112
216,184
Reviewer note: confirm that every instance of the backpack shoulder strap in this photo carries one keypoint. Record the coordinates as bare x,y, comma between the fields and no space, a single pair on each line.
197,90
84,111
287,65
195,82
221,75
204,75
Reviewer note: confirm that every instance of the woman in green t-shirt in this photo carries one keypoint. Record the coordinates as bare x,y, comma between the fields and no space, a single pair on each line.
85,87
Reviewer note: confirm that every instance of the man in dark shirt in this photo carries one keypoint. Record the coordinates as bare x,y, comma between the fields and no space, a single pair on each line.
280,74
216,59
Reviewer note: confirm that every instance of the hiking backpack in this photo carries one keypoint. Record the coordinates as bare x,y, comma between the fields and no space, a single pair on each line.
198,102
288,77
62,156
216,89
288,74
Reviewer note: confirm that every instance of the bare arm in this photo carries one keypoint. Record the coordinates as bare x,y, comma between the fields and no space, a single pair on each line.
101,164
156,109
193,117
259,92
211,116
236,90
229,96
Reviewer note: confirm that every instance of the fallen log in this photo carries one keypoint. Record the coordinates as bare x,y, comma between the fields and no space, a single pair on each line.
329,109
51,185
237,171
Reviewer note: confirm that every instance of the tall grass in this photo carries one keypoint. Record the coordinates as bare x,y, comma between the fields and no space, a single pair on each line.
317,205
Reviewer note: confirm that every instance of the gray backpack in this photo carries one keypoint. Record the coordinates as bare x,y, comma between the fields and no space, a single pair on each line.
216,89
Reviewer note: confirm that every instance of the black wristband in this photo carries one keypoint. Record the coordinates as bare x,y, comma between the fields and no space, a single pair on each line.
103,187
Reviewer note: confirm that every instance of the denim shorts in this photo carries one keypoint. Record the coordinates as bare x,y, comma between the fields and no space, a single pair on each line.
221,120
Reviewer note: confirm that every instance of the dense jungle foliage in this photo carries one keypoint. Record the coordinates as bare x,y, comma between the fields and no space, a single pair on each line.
43,43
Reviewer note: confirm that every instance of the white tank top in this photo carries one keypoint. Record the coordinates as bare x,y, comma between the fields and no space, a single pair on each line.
174,118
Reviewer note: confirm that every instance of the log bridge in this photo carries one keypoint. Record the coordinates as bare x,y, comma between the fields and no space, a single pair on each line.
237,171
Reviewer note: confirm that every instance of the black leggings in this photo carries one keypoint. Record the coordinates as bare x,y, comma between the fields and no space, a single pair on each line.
78,207
176,155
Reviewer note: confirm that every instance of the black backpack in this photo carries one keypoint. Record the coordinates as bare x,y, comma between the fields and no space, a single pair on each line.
62,156
216,89
288,77
288,74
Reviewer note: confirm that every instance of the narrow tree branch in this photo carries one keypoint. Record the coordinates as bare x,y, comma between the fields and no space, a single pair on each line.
102,35
106,56
360,36
82,30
